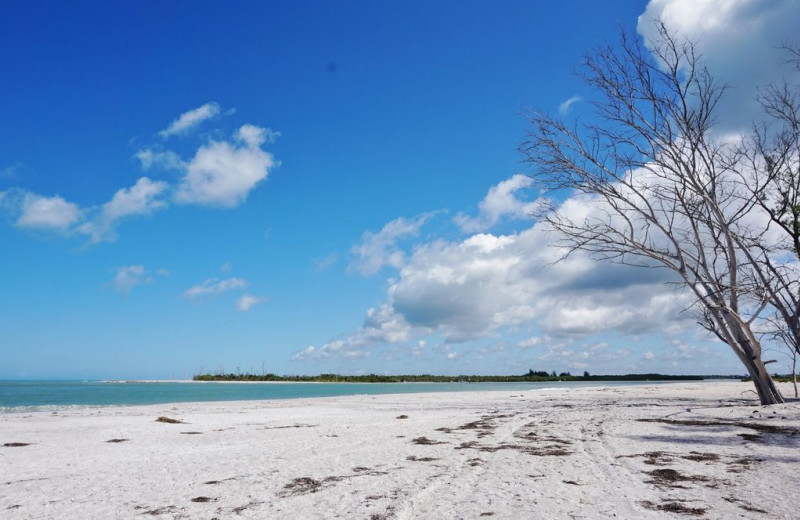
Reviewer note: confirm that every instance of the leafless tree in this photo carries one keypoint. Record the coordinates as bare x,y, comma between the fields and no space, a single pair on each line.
769,164
655,186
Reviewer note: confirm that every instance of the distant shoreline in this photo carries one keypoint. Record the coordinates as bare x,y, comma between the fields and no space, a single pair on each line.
531,377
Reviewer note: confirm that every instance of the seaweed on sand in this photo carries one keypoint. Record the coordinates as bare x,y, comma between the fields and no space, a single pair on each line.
674,507
169,420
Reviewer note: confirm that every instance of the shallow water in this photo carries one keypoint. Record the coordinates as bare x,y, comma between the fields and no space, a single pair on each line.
31,395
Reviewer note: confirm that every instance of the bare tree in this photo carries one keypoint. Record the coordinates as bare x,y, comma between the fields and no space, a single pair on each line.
655,186
769,165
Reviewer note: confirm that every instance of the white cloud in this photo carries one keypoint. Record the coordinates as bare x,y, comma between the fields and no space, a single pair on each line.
163,160
215,286
381,325
219,174
191,119
139,199
248,301
739,41
130,276
223,173
501,201
54,213
255,136
489,285
143,198
564,107
380,249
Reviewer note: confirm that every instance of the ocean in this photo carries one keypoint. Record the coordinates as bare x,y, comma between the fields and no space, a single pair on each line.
18,396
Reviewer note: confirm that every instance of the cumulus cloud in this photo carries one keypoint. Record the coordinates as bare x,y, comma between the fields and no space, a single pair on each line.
129,276
739,41
487,285
143,198
381,325
33,211
41,212
214,286
139,199
501,201
564,107
248,301
162,160
223,173
191,119
380,249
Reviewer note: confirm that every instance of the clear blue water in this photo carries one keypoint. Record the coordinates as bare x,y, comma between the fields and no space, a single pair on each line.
29,395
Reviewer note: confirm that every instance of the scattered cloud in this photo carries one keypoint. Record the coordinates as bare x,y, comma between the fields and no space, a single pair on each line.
215,286
501,201
191,119
223,173
54,213
381,325
380,249
564,107
248,301
226,267
129,276
143,198
159,160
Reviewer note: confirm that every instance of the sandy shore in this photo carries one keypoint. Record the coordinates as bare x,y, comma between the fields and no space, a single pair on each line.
659,451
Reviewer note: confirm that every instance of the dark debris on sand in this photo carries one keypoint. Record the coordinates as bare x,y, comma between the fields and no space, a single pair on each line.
424,441
674,507
169,420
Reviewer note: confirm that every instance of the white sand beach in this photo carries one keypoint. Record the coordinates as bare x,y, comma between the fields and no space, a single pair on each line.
653,451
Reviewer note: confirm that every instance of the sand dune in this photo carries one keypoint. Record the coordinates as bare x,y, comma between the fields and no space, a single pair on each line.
662,451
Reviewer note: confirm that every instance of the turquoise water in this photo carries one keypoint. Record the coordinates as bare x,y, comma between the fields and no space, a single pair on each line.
28,395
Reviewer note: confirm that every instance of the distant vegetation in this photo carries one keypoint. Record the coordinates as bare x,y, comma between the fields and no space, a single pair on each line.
531,377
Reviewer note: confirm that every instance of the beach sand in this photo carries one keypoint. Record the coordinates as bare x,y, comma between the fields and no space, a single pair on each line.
703,450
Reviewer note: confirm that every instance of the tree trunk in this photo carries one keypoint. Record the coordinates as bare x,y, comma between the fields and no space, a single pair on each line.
768,393
747,348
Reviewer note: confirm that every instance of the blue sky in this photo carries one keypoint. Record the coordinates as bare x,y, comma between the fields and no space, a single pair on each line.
319,186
